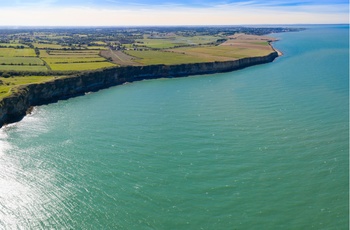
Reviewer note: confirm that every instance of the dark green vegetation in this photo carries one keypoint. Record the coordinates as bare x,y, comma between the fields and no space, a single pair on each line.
64,51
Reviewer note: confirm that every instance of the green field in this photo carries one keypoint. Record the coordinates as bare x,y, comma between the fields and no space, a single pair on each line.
39,68
66,50
95,47
64,60
222,53
69,53
195,54
128,47
49,46
151,57
80,66
171,42
12,82
75,60
21,60
99,43
11,52
158,43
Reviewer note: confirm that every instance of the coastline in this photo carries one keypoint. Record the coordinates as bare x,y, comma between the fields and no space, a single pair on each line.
16,106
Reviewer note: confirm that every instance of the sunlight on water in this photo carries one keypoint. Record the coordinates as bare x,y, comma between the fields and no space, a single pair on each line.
29,196
261,148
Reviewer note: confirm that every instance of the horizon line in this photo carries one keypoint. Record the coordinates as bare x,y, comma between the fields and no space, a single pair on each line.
182,25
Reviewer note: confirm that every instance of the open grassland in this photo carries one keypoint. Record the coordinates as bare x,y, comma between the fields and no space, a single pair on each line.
262,46
171,42
49,46
63,60
21,61
100,43
196,49
37,68
158,48
5,90
151,57
81,66
95,47
69,53
208,53
8,84
223,53
11,52
249,42
250,37
197,40
158,43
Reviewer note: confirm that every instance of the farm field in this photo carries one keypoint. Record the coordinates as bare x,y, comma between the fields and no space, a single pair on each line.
158,43
69,53
119,57
48,46
249,42
171,42
80,66
21,60
74,60
63,60
59,51
12,59
152,57
95,48
12,52
223,53
8,84
229,50
37,68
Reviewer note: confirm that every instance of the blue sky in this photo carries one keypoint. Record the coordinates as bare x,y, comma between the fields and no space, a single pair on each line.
171,12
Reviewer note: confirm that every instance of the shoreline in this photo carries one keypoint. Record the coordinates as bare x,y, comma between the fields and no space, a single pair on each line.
278,52
273,48
20,103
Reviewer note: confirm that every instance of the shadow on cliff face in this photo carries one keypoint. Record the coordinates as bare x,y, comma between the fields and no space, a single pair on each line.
16,106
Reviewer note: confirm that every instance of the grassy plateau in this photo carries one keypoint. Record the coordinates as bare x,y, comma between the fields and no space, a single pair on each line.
31,56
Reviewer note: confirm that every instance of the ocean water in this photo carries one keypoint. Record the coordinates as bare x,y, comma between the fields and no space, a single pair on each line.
266,147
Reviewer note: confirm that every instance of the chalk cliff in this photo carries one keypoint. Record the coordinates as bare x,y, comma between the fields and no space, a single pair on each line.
15,107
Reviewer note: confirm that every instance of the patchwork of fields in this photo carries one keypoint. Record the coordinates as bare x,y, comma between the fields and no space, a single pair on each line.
25,59
46,53
62,60
151,49
232,49
55,59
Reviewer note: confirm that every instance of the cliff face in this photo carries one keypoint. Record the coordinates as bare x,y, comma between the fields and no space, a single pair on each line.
14,107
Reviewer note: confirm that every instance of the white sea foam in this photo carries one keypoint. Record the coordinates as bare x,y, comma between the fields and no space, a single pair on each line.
4,144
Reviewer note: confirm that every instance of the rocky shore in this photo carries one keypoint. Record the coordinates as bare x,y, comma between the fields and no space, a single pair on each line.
16,106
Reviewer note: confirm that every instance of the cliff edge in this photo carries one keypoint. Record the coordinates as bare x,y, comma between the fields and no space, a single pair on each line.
15,107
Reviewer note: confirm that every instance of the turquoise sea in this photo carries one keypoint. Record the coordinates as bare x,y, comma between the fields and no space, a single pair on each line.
266,147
